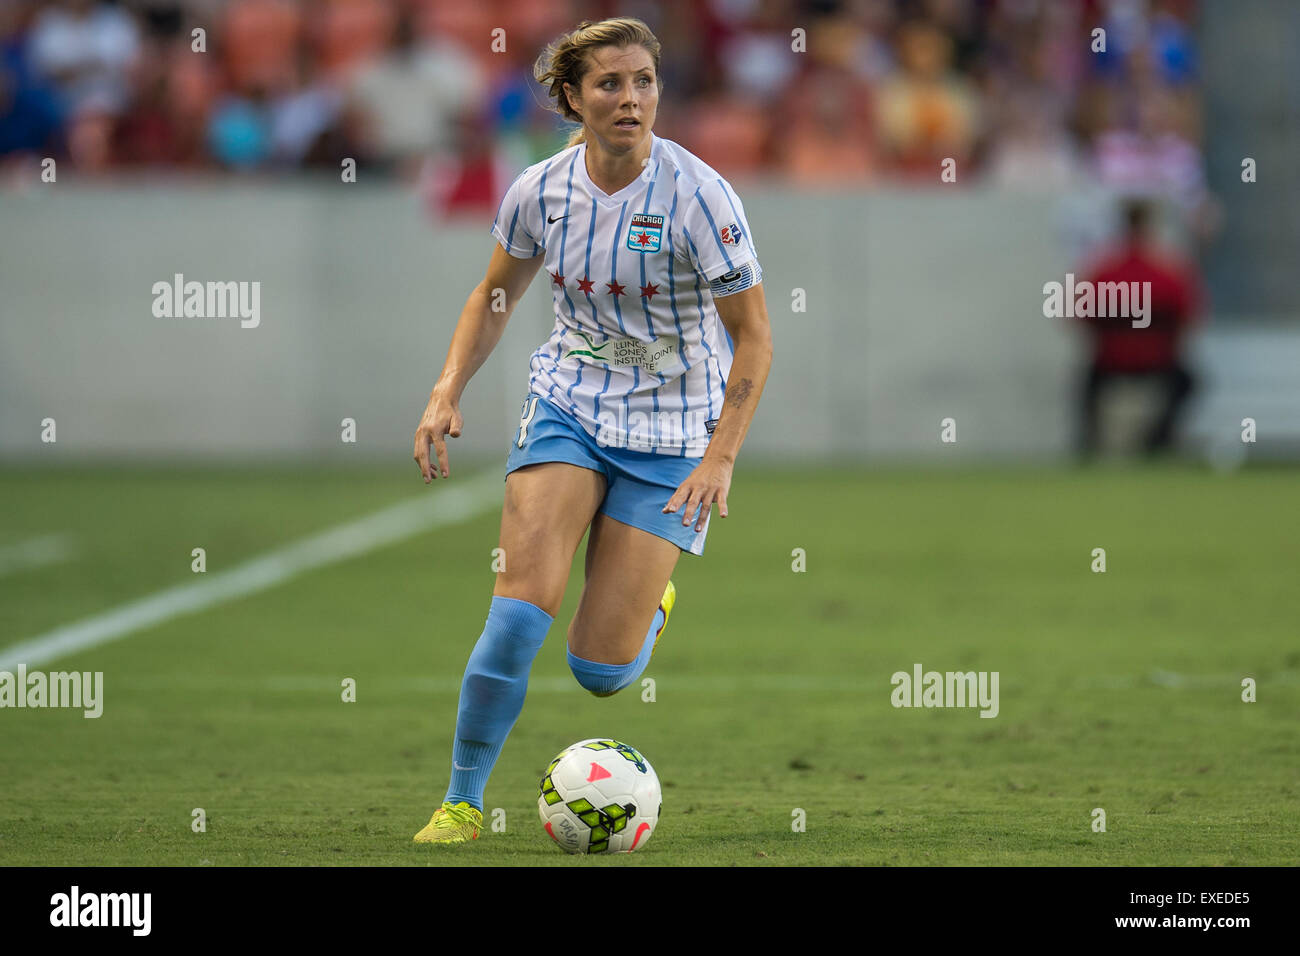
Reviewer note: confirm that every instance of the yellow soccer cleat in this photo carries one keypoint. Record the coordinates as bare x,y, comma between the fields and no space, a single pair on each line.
452,823
666,605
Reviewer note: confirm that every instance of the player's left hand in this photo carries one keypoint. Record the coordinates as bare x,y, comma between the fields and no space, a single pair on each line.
709,482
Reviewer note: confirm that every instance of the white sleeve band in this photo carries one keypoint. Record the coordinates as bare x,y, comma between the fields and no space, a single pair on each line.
747,276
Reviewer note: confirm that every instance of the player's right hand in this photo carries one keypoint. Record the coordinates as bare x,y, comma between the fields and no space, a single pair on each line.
441,419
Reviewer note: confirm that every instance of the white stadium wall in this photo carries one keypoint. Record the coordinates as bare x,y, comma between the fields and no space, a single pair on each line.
919,306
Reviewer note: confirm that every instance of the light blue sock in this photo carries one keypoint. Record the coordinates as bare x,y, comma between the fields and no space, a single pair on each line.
492,693
603,679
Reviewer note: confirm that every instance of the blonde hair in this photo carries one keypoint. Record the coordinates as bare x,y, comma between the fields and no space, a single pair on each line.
565,60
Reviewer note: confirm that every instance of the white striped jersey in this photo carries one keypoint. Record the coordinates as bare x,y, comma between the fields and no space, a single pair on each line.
638,354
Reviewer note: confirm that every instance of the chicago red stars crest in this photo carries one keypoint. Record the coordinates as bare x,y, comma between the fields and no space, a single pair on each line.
646,233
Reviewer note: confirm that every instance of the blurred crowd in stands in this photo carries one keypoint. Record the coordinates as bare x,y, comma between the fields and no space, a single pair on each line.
869,91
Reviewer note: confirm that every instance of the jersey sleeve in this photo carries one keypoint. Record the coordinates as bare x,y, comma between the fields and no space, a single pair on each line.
717,235
517,224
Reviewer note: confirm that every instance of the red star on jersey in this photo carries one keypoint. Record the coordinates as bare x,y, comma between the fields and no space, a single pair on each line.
643,239
615,288
557,279
649,292
586,285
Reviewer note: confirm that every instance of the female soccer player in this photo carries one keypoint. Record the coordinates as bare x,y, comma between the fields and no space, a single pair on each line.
637,403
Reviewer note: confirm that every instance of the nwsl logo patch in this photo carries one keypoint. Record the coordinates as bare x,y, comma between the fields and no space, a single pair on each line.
730,235
645,233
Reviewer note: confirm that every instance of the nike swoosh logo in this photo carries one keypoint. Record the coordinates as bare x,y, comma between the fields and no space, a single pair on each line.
554,219
459,767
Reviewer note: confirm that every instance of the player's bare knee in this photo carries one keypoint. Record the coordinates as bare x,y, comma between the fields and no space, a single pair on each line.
597,652
543,591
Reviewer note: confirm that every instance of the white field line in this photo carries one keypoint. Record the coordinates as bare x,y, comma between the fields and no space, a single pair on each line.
438,508
35,553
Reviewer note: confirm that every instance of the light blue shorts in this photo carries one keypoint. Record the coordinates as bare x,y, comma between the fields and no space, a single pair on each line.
637,484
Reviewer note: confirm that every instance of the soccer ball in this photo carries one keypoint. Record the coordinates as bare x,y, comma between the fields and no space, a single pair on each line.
600,796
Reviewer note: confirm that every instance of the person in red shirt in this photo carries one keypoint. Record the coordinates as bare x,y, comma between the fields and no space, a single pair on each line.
1121,351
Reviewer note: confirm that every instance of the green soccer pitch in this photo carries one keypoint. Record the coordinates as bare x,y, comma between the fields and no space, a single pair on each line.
772,687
